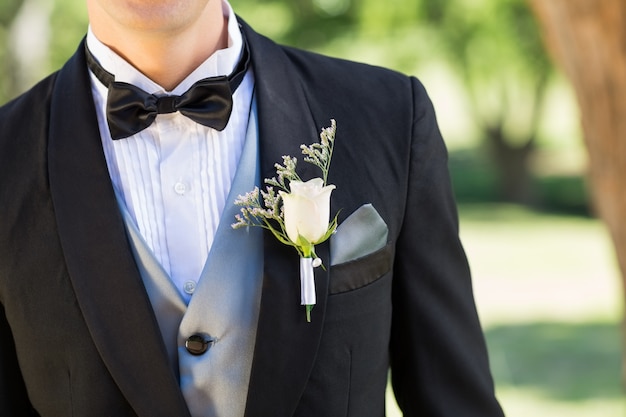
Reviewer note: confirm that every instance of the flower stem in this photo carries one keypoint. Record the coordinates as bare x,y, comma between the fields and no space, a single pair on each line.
308,251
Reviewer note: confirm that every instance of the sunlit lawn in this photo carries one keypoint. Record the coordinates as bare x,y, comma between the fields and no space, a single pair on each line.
548,294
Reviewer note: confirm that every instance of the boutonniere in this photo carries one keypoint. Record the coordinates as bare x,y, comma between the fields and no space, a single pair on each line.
296,212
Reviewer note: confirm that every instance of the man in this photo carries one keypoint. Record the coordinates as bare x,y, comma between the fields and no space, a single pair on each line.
124,290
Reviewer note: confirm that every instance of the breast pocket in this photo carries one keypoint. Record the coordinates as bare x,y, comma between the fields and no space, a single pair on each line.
358,273
354,348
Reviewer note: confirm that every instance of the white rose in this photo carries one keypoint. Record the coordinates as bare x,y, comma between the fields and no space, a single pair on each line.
307,210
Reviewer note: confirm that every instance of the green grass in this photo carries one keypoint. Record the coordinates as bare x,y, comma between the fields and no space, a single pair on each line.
548,293
567,362
530,266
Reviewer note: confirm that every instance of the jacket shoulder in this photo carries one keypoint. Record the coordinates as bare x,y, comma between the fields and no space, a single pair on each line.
25,115
364,87
345,74
24,124
22,111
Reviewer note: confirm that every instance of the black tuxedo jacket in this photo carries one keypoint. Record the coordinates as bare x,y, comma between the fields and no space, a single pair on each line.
79,337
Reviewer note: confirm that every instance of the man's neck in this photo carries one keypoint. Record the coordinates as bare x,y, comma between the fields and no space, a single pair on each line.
166,56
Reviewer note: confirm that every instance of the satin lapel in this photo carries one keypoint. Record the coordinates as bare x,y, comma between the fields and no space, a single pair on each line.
286,344
102,270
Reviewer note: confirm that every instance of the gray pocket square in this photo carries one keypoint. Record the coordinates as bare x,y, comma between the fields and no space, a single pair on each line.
362,233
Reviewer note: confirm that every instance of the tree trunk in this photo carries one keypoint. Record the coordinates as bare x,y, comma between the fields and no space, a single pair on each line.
587,38
515,181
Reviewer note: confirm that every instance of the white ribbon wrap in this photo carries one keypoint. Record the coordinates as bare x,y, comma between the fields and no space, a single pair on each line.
307,282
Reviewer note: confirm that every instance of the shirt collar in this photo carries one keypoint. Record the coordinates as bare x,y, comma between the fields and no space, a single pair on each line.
222,62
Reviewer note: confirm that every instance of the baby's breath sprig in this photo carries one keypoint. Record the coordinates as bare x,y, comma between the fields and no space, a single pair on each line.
320,154
268,215
285,172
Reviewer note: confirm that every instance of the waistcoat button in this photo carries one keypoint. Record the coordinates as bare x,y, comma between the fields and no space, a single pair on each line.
189,287
197,344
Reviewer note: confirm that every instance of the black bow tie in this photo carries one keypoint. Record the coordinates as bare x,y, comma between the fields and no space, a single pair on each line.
208,102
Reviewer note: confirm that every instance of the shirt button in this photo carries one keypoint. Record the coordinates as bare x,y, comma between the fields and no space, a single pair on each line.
189,287
180,188
197,344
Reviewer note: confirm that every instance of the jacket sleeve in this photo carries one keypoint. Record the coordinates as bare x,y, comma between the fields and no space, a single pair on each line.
13,396
438,353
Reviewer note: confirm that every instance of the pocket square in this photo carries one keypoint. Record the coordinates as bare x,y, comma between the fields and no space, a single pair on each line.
362,233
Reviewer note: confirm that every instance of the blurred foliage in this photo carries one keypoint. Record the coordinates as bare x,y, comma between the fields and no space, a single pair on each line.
497,49
69,25
8,10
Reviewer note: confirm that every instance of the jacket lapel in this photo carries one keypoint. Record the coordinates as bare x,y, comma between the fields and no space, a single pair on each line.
286,344
99,260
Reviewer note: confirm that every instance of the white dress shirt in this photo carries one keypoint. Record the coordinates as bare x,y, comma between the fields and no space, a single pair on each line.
175,175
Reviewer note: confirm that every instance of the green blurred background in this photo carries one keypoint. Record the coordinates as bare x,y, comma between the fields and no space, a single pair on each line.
545,278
